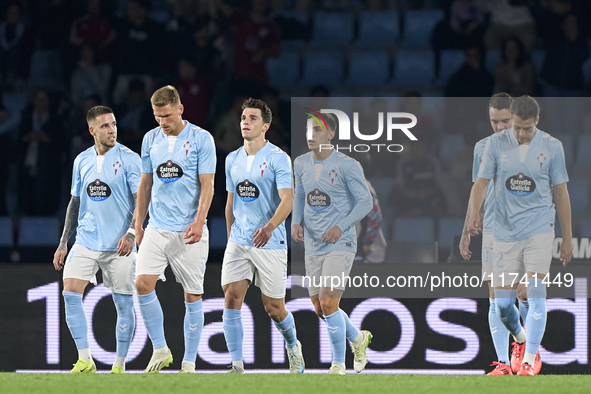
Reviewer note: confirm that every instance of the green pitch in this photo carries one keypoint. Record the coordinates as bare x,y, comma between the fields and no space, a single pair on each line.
301,384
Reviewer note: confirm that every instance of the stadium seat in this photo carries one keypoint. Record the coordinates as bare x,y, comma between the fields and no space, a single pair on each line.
218,237
324,67
46,69
447,228
413,68
569,147
451,145
405,252
160,16
493,59
586,228
587,71
537,58
383,186
332,29
413,229
368,67
583,158
5,231
451,61
39,231
300,16
284,70
418,27
578,189
378,29
14,101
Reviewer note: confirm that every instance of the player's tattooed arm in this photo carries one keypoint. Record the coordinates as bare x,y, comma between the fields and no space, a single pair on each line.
127,242
70,225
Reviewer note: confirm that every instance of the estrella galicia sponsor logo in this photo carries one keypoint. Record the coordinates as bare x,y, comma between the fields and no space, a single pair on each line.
520,185
318,200
98,190
247,191
169,172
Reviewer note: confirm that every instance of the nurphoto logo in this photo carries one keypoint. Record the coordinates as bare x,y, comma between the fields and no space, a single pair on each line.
344,130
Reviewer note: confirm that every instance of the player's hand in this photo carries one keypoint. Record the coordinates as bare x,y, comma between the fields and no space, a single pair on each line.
566,251
297,233
474,226
126,244
139,234
60,256
465,246
332,235
193,233
262,236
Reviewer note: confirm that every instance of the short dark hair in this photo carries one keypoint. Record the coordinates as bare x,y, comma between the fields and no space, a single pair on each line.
97,111
501,101
526,107
259,104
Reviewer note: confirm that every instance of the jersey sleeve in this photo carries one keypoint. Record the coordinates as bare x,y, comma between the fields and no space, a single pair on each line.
146,161
558,172
133,169
206,154
76,181
229,184
299,198
357,185
282,168
489,161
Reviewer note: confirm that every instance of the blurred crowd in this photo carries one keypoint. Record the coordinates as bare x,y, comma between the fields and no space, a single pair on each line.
58,58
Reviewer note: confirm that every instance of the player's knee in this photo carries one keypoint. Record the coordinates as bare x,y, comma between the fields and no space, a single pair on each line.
318,311
233,297
143,285
328,306
274,311
504,305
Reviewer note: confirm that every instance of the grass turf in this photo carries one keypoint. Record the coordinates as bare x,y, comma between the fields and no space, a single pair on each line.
261,383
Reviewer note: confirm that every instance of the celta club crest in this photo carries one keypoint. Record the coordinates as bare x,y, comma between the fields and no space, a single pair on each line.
187,145
263,167
541,158
116,166
332,175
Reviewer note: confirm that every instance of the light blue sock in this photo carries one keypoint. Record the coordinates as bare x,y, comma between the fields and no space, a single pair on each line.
233,332
76,318
288,330
193,329
523,309
499,333
535,325
153,318
352,331
335,323
125,322
507,311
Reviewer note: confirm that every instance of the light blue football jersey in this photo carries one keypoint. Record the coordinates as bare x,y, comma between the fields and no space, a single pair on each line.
523,189
176,168
256,195
106,196
339,197
489,201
